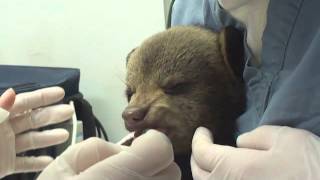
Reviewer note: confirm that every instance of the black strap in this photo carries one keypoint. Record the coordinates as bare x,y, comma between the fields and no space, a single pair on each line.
91,125
168,25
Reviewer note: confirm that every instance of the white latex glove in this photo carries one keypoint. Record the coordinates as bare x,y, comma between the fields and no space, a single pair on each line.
25,115
268,152
150,157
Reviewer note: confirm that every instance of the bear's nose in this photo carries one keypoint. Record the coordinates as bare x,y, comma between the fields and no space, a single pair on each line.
134,114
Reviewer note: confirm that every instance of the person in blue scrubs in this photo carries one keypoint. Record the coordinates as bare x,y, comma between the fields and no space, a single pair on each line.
281,125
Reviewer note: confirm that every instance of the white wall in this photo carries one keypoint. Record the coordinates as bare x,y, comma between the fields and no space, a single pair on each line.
93,35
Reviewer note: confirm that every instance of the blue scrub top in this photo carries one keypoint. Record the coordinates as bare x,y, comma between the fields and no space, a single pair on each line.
285,88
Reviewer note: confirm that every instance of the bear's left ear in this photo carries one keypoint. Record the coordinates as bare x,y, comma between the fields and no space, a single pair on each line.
128,56
232,48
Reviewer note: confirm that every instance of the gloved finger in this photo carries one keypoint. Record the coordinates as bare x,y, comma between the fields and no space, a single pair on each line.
79,157
261,138
205,153
154,146
86,153
31,164
197,172
35,140
104,171
7,99
37,98
41,117
172,172
148,155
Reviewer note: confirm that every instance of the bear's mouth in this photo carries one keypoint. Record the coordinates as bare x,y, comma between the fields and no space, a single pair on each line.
133,135
139,132
141,127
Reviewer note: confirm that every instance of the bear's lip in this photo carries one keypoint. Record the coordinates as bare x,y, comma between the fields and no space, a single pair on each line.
135,125
139,132
140,128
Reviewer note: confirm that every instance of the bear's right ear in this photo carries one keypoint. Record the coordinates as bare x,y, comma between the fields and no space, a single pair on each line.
128,56
232,47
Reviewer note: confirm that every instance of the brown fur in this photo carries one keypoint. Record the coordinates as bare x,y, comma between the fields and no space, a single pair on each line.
181,79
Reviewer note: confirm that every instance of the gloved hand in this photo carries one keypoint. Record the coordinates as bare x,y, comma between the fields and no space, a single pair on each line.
25,112
150,157
268,152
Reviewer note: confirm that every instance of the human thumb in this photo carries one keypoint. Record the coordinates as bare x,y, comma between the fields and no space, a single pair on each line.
150,155
261,138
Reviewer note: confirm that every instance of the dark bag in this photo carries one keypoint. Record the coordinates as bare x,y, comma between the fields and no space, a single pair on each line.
29,78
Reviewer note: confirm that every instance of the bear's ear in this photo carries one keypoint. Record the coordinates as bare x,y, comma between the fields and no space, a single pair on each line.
232,48
128,56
